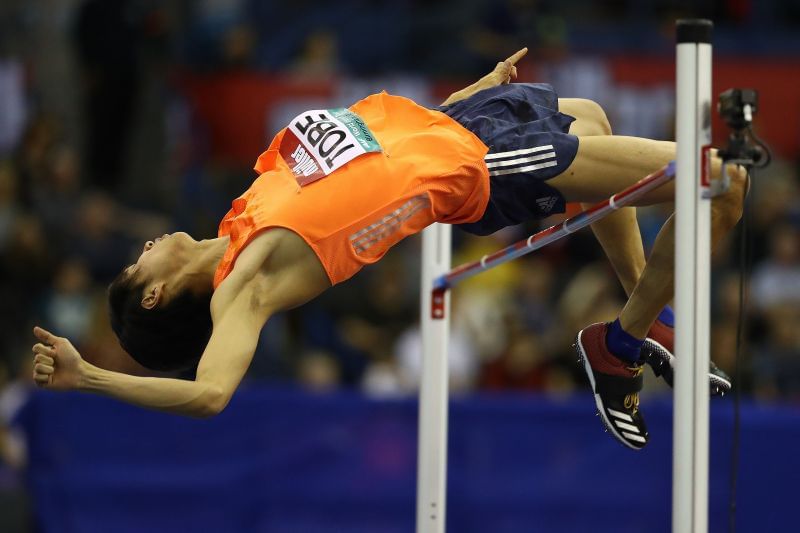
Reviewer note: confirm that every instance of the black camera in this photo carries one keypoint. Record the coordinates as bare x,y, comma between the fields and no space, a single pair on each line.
737,107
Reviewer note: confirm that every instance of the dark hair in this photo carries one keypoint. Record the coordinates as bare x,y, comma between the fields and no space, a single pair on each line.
168,337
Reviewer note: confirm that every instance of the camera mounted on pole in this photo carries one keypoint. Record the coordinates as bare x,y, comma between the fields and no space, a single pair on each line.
737,108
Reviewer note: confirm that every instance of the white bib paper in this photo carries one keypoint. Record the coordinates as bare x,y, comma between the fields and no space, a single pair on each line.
318,142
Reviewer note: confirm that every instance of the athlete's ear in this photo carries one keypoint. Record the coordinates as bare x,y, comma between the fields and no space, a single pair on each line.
152,296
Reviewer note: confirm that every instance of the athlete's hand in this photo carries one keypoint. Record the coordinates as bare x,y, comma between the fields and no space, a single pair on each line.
57,365
505,71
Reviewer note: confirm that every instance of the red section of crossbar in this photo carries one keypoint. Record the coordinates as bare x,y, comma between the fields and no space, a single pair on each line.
437,303
705,166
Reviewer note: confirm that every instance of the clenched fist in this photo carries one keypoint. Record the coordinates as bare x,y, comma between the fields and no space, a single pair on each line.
57,365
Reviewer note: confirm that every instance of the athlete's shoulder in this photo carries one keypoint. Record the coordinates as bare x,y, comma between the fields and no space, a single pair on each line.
246,271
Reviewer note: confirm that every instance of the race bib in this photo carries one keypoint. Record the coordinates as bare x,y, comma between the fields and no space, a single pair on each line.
320,141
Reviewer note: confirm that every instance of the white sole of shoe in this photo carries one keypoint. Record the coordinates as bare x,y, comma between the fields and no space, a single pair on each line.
723,385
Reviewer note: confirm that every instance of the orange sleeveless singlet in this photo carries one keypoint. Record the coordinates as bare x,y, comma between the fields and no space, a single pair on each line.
430,169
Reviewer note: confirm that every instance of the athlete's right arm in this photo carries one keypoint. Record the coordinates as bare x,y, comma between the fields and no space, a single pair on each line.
59,366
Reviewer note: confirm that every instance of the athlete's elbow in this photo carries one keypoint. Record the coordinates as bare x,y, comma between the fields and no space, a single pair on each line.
212,402
207,411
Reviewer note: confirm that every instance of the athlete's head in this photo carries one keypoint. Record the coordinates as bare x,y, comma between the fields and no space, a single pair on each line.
158,310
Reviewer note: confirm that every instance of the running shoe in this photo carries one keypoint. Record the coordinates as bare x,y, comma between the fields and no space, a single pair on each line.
657,351
616,385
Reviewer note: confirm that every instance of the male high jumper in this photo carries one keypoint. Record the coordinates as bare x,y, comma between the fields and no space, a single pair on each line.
337,188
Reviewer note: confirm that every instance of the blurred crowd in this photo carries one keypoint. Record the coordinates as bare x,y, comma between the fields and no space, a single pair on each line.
99,152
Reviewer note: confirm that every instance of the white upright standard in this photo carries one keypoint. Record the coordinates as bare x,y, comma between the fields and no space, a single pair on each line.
692,277
432,438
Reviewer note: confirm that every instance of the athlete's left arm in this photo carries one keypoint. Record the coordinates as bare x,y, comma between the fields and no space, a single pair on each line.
504,72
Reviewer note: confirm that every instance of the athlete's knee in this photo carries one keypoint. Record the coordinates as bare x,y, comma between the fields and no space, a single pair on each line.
595,117
728,206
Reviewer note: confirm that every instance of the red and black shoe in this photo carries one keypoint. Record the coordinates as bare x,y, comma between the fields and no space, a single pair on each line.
616,385
657,351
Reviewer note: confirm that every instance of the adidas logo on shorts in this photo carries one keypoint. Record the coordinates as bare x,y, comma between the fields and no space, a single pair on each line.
546,203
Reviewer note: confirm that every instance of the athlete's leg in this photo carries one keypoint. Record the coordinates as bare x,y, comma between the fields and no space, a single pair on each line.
658,280
618,233
590,119
611,352
605,165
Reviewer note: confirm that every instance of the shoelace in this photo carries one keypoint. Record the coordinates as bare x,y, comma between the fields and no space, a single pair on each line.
632,400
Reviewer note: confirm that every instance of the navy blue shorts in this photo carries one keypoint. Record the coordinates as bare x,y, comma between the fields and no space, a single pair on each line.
528,144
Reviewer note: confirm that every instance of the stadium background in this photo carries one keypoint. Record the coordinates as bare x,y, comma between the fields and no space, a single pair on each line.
122,120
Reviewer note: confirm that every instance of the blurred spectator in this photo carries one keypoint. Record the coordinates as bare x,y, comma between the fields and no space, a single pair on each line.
534,295
526,365
776,200
591,296
9,201
403,373
57,192
27,258
68,304
499,28
26,268
41,135
319,58
13,108
776,280
237,49
723,350
483,305
318,371
776,361
218,36
97,237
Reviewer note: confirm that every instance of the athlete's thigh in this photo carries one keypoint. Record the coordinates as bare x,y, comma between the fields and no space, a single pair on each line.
605,165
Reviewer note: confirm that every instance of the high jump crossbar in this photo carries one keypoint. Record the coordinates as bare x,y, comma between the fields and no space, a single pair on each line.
692,283
557,231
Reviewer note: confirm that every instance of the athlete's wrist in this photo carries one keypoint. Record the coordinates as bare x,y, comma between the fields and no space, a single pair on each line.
89,377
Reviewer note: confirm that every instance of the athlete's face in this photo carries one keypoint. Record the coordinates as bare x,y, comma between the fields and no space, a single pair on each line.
161,259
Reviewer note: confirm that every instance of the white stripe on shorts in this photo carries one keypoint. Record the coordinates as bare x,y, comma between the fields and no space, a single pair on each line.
519,161
512,153
523,169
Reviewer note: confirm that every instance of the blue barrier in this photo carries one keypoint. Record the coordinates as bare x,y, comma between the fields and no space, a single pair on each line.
284,461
